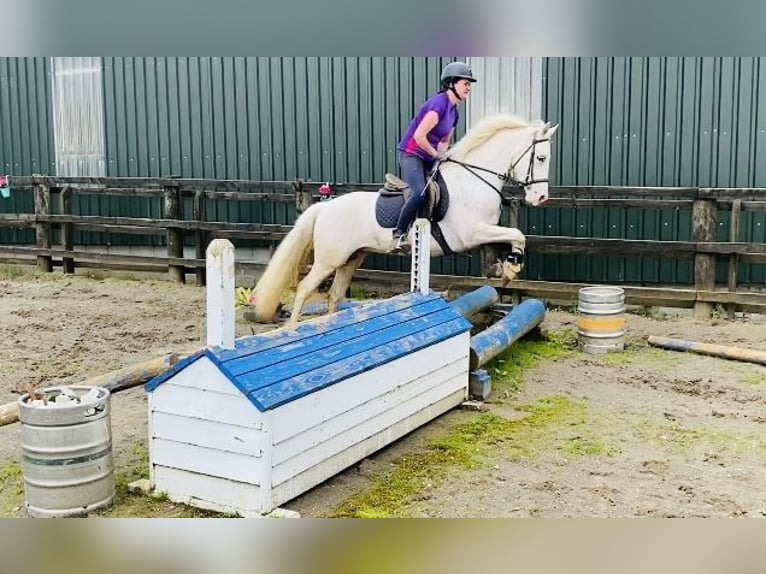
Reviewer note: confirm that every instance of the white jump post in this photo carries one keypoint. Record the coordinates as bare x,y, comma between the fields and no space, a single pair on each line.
421,256
220,294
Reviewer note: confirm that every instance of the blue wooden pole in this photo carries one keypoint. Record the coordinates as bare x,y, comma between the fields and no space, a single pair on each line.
476,300
495,339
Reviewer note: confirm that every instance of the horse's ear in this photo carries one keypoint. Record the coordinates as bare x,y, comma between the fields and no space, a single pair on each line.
551,129
544,131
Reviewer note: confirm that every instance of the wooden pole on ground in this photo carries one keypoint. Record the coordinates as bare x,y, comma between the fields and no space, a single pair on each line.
115,381
735,353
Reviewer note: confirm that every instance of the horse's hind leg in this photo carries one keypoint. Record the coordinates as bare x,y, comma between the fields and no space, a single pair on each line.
342,280
306,287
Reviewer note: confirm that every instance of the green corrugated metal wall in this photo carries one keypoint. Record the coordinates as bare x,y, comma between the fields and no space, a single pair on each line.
334,119
26,131
624,121
650,122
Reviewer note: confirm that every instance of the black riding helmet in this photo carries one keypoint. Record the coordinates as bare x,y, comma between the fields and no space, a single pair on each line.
453,72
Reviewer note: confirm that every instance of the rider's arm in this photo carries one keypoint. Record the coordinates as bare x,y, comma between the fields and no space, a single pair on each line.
428,123
444,143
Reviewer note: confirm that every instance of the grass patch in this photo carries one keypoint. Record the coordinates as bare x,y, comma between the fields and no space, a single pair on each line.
130,505
11,488
12,272
466,447
680,439
507,369
642,351
618,358
650,312
754,378
359,292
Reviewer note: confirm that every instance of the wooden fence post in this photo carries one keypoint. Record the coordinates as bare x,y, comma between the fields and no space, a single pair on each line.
736,216
67,229
303,197
200,236
705,220
43,228
174,237
303,201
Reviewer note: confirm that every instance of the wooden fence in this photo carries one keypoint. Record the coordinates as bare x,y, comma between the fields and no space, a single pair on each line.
53,208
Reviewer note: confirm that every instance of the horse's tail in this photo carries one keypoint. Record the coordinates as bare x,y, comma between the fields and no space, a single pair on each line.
283,263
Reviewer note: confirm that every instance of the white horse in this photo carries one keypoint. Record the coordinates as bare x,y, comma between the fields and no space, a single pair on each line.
342,231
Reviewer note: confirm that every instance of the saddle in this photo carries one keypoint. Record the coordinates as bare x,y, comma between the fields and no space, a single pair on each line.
394,192
394,186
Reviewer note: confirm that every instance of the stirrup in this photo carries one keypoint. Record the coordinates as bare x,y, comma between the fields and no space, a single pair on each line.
399,244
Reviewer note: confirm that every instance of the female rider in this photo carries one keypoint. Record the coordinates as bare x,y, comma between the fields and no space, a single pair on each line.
426,140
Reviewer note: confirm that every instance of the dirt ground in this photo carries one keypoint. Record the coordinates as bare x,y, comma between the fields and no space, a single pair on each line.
646,432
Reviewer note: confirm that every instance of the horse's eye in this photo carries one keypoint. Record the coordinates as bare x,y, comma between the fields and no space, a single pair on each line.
541,158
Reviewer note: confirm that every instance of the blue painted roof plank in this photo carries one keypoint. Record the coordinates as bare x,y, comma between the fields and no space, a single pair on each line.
323,342
313,327
272,396
283,365
402,336
165,375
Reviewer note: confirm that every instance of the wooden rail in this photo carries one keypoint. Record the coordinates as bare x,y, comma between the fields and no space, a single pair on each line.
53,209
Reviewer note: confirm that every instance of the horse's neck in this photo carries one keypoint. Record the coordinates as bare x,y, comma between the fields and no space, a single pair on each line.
497,153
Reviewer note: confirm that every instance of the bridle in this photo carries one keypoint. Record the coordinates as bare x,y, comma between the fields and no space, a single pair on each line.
516,256
509,177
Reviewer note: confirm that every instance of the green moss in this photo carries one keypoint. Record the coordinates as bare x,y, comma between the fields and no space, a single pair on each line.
652,313
676,438
507,369
754,378
11,488
548,424
582,446
132,505
12,272
617,358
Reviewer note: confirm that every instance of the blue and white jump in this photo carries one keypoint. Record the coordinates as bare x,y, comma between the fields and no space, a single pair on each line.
247,424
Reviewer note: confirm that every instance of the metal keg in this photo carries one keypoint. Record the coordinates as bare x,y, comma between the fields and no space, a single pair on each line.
601,320
66,451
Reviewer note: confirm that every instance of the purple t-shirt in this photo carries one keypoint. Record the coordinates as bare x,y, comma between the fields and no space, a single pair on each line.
448,117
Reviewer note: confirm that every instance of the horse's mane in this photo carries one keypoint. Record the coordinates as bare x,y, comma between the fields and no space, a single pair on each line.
484,129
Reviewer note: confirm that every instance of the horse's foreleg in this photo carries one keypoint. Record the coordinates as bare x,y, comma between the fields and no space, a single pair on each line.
486,233
306,287
342,280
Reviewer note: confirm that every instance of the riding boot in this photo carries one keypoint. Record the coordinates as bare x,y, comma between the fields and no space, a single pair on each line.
399,243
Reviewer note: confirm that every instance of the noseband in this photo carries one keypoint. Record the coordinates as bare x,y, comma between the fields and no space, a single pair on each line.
508,177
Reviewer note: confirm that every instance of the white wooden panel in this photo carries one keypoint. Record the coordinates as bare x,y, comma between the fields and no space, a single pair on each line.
202,491
204,375
208,461
333,465
209,434
149,424
356,421
316,408
176,398
506,85
219,270
387,419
